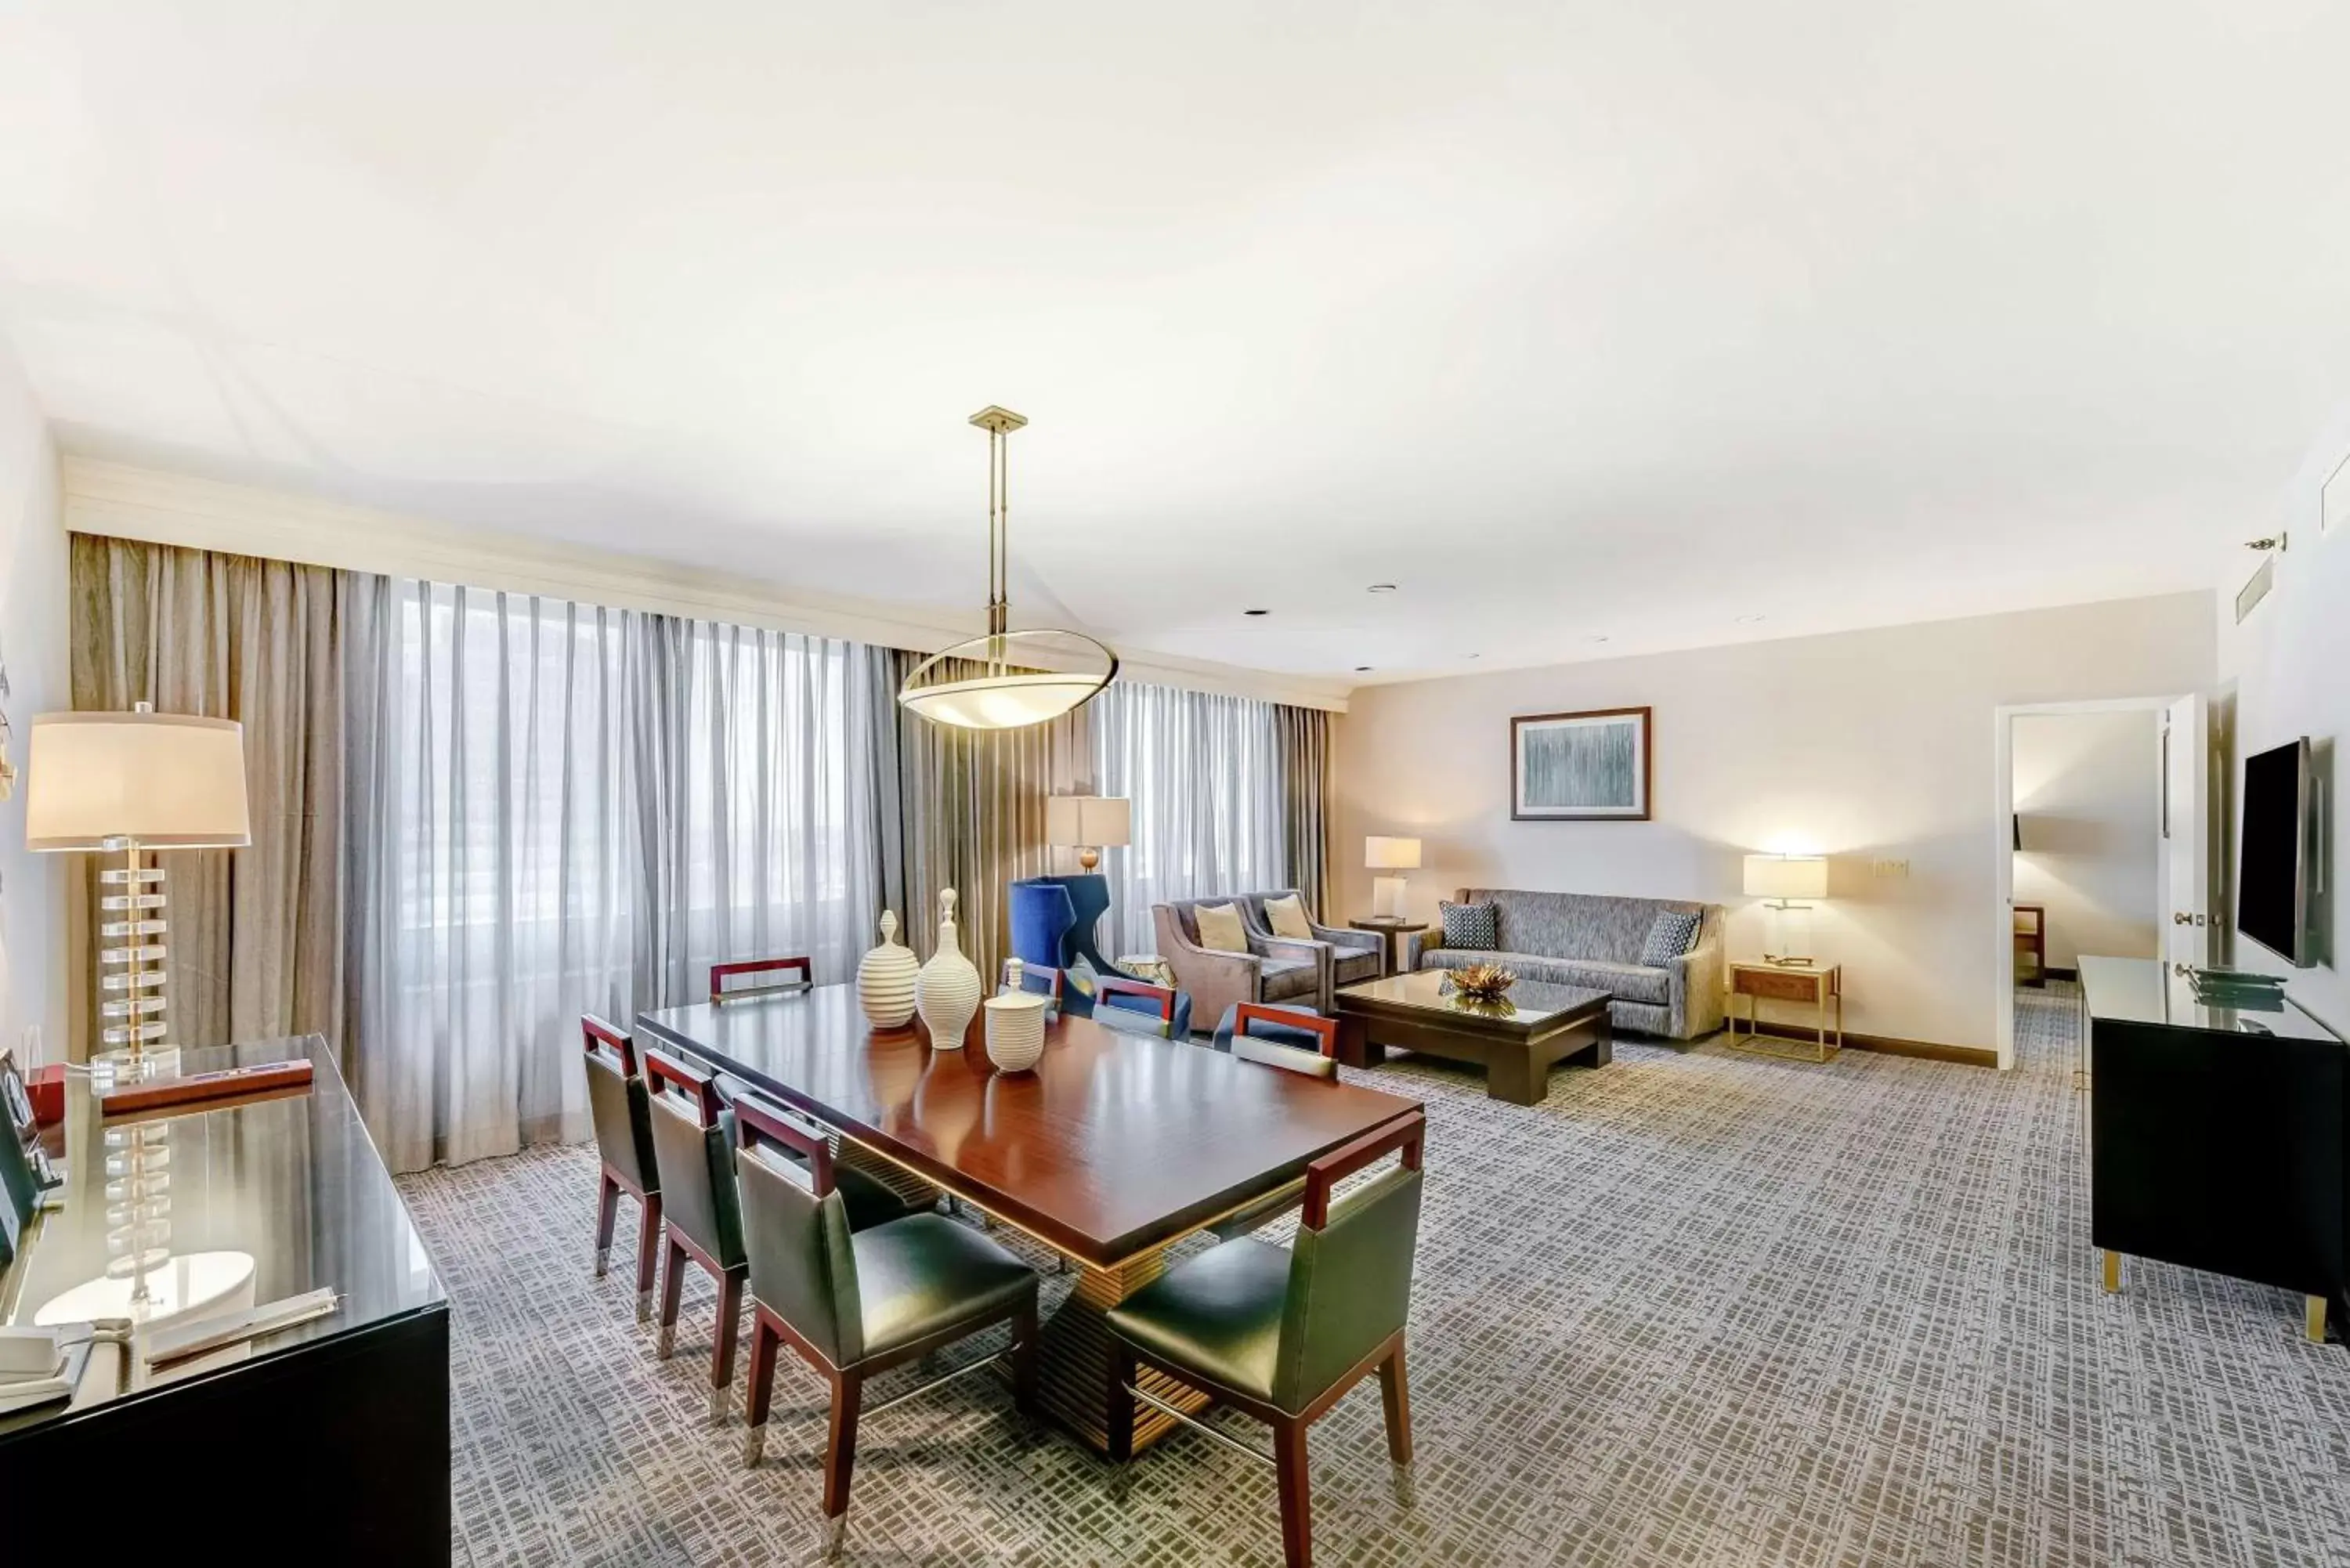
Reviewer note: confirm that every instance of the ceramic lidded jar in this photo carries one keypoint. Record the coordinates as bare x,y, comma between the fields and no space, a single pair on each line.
885,979
1015,1025
947,992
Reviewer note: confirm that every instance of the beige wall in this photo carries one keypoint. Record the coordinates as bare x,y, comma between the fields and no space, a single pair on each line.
1866,746
2089,795
33,643
2288,669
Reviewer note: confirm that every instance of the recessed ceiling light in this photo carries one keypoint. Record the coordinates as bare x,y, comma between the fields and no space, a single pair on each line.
1256,612
1383,588
1752,619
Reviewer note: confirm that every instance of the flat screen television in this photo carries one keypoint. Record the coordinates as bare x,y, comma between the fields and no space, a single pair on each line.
2272,869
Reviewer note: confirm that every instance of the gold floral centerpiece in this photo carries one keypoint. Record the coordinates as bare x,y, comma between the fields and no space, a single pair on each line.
1482,982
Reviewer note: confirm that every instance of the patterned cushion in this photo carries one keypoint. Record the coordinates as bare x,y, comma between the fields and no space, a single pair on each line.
1220,928
1670,935
1287,916
1476,925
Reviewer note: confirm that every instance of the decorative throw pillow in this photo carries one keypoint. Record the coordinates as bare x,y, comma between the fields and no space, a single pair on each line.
1220,928
1287,916
1670,935
1477,927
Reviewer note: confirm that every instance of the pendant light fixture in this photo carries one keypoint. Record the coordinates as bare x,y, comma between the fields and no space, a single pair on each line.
1006,679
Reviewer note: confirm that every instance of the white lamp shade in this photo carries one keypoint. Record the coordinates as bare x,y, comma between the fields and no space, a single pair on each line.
1391,853
1091,820
172,780
1786,877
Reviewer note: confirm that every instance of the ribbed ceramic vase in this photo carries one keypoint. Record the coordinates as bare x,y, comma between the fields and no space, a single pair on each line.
885,979
947,992
1015,1025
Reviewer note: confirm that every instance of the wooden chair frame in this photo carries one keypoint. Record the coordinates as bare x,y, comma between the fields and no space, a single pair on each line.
1386,1359
1326,1030
663,1074
1120,985
721,973
599,1035
755,1118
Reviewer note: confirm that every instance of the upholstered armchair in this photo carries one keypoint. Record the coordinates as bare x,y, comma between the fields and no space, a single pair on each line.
1354,956
1275,968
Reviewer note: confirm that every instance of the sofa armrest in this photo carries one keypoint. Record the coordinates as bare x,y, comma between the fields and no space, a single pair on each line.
1695,998
1418,942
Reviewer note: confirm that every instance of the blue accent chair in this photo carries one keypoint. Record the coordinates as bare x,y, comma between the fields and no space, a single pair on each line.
1054,920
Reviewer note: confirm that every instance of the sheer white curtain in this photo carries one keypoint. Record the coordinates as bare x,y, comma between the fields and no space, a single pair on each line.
1205,774
565,809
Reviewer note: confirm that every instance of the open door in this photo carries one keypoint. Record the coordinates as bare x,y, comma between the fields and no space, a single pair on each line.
2185,877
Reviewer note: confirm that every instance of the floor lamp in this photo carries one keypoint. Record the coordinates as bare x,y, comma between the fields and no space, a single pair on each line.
123,785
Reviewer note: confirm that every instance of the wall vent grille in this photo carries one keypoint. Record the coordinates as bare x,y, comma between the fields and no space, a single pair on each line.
2249,597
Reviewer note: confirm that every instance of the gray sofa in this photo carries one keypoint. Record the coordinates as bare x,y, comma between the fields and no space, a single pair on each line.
1275,968
1581,939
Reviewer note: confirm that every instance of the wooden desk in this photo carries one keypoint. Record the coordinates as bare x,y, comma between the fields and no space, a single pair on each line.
2032,942
1786,982
1116,1145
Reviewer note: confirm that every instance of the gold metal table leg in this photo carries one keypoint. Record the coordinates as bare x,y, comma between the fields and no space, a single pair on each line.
2113,1272
2314,1319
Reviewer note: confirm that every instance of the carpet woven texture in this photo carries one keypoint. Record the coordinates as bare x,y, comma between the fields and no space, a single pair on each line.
1702,1307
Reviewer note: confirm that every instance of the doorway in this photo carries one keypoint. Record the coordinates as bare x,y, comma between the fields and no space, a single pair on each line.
2100,832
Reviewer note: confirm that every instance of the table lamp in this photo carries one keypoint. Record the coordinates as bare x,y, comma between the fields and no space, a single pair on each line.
1091,823
1389,855
126,784
1791,884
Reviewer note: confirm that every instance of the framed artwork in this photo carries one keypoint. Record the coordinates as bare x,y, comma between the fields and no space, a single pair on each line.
1580,768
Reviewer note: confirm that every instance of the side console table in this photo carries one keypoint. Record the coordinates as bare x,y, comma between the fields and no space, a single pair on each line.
1815,985
2216,1135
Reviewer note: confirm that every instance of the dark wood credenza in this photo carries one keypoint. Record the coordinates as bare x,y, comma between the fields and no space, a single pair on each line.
2217,1135
326,1442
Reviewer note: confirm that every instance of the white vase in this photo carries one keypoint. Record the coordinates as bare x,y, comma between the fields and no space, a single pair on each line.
947,992
1015,1025
885,978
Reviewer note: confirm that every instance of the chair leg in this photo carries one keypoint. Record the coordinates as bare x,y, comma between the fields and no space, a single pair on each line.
840,1456
1122,1374
673,1282
648,1255
1398,1398
607,1212
1023,1361
759,1392
1296,1494
729,1328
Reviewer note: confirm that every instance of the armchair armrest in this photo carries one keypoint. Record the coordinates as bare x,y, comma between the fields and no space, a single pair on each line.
1347,937
1213,981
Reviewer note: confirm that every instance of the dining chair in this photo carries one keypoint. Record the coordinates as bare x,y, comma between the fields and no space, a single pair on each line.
1037,978
702,1211
624,1139
1283,1334
854,1303
1148,1010
720,973
1247,1028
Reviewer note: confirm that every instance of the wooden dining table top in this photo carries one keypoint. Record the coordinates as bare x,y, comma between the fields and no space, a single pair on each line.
1116,1144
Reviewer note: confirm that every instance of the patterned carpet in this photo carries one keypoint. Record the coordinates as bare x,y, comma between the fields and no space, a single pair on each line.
1700,1308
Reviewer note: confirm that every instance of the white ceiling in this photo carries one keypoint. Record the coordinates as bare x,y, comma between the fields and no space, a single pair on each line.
1576,321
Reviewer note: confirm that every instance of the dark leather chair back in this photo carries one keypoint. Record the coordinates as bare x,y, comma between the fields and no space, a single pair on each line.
692,1149
1350,1266
795,1230
618,1101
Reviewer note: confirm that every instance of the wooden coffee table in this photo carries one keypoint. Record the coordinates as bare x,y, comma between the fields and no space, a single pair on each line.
1516,1039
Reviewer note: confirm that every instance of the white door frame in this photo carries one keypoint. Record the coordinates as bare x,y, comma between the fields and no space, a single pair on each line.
2002,836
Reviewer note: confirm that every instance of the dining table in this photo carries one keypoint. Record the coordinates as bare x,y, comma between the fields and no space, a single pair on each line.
1114,1148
